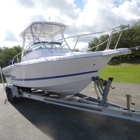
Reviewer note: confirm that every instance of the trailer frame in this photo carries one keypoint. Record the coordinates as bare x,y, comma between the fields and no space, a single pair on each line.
79,101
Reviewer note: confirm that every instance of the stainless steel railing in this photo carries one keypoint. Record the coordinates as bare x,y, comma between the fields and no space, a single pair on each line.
64,40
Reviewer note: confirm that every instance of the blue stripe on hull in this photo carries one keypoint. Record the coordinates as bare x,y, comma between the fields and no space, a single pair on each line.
51,77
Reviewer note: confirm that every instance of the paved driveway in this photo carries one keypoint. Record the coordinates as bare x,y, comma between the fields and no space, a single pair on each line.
33,120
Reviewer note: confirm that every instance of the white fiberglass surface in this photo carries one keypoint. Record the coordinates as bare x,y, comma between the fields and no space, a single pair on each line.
61,54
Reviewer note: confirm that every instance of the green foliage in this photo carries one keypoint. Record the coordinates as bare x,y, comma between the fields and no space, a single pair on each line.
96,41
7,54
130,38
76,50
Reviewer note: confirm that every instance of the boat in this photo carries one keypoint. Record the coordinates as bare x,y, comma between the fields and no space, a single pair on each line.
48,63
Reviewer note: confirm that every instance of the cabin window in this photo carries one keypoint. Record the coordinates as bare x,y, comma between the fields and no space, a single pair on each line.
42,45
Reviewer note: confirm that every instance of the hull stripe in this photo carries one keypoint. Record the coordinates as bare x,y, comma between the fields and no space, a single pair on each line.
51,77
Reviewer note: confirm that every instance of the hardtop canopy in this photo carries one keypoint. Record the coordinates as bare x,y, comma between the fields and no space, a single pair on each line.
43,29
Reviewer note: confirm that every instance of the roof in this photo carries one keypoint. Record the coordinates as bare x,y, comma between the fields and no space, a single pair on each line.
44,29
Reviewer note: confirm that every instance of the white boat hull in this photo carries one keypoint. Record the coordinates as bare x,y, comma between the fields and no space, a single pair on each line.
64,76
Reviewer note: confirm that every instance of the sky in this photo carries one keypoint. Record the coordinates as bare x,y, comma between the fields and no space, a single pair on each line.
82,16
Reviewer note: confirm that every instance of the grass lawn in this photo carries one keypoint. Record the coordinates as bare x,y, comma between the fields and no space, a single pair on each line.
126,73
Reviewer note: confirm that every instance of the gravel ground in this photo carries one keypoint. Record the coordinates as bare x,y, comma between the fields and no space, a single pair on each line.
33,120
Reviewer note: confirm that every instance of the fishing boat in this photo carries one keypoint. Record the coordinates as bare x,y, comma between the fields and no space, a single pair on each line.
50,64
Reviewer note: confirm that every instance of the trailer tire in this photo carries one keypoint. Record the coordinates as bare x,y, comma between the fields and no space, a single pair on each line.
7,94
10,97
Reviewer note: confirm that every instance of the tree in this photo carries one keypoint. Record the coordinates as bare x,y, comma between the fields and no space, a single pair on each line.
76,50
96,41
93,43
130,38
7,54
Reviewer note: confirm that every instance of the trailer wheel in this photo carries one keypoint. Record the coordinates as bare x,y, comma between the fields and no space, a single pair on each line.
10,97
7,93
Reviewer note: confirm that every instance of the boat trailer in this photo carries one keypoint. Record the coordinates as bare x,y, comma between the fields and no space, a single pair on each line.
78,101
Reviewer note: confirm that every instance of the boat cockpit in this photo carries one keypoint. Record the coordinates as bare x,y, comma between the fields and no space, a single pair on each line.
44,48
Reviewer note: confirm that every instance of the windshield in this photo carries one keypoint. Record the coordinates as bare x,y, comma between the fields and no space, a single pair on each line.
43,45
49,45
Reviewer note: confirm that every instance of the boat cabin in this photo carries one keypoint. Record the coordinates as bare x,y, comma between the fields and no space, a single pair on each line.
43,39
